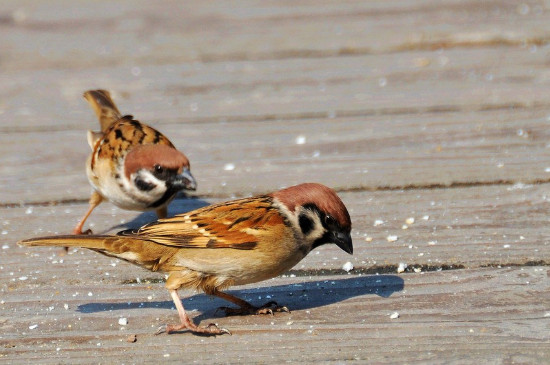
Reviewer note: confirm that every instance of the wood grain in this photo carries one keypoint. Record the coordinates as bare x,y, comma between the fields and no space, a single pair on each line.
432,110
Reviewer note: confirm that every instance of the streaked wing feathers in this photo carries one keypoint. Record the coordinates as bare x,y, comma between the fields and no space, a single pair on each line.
125,134
234,224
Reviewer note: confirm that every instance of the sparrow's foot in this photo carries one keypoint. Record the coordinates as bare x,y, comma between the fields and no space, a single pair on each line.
79,231
268,308
211,330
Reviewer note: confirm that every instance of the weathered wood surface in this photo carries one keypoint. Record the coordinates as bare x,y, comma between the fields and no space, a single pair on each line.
436,110
500,315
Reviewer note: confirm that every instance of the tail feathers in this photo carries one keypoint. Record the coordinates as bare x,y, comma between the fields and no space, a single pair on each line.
92,242
144,253
104,107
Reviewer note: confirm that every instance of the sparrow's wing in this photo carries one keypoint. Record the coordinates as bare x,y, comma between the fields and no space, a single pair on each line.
127,133
236,224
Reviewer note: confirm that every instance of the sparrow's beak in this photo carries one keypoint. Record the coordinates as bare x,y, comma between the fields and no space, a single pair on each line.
343,240
185,181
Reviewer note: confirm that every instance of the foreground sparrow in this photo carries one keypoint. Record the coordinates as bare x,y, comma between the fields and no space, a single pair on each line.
233,243
132,165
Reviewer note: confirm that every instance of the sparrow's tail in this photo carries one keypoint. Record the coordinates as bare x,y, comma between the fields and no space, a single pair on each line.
91,241
141,252
104,107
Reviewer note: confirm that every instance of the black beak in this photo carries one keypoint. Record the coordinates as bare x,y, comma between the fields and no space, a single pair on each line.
184,181
343,240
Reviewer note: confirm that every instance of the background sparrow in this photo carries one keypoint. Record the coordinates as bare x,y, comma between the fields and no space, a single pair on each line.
132,165
232,243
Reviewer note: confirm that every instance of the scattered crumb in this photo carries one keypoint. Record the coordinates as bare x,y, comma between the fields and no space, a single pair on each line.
431,243
421,62
348,266
404,226
426,217
391,238
402,266
301,140
378,222
131,338
368,239
123,321
417,269
409,220
33,326
394,315
229,167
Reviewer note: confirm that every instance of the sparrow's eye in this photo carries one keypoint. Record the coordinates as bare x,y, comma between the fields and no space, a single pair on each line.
158,169
330,221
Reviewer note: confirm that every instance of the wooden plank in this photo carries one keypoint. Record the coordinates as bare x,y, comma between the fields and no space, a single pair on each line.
398,83
487,315
130,32
374,152
460,227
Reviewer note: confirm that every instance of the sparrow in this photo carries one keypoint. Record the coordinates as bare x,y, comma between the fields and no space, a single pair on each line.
131,165
231,243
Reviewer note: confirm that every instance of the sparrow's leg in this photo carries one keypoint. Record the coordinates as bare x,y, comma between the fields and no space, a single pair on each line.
186,323
95,200
247,308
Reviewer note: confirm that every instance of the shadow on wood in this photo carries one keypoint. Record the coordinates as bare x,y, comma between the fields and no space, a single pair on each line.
301,296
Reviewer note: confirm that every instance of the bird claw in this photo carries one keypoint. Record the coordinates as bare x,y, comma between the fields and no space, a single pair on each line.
211,329
219,329
161,329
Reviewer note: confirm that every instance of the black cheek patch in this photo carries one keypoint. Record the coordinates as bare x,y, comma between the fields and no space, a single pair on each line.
323,240
306,224
144,185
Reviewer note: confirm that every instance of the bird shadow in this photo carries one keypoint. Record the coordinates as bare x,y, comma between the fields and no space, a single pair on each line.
181,204
298,296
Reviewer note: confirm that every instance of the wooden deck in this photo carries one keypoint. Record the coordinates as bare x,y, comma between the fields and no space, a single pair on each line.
432,110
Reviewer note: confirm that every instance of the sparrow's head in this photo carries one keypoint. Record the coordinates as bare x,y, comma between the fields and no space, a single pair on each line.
157,168
319,213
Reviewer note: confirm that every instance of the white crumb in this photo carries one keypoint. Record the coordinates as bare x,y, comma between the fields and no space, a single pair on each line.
348,266
123,321
301,140
401,268
394,315
229,167
409,220
378,222
392,238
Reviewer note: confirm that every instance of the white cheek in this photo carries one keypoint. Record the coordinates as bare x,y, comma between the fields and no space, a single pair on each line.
149,196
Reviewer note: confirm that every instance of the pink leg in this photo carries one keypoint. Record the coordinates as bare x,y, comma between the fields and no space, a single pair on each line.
186,322
95,200
247,308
